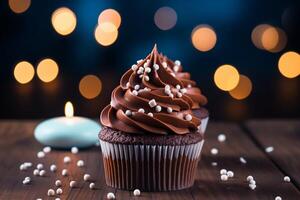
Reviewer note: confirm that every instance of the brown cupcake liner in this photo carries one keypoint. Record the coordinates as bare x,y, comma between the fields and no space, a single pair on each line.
150,167
203,125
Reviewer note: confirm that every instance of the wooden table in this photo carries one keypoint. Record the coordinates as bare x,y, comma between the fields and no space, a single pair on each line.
249,140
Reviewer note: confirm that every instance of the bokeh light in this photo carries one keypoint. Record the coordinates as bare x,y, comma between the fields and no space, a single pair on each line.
106,33
204,38
226,77
243,89
19,6
47,70
111,16
90,86
289,64
23,72
165,18
270,38
63,21
282,41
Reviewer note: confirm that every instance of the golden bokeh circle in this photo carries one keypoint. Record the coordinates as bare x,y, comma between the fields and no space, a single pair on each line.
226,77
64,21
243,89
47,70
269,38
204,38
23,72
106,34
289,64
19,6
90,86
111,16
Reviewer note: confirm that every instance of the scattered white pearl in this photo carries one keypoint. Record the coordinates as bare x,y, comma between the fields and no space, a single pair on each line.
67,159
58,183
147,69
145,65
167,87
40,154
287,179
59,191
26,181
269,149
74,150
134,67
47,149
176,68
165,65
64,172
150,114
110,195
214,151
27,178
171,95
158,108
179,94
136,192
177,62
139,61
134,92
146,78
36,172
249,178
86,177
73,184
39,166
253,182
141,110
42,172
189,85
156,67
92,186
39,199
252,186
51,192
223,172
178,87
128,112
27,164
23,167
188,117
152,103
278,198
80,163
137,87
224,177
230,174
214,164
169,109
221,138
183,90
243,160
57,198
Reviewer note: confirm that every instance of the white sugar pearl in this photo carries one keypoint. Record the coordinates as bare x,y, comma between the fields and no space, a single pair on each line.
42,173
178,87
110,195
134,92
177,62
27,164
64,172
136,192
40,154
278,198
92,186
169,109
58,183
252,186
80,163
53,168
150,114
224,177
243,160
59,191
221,138
188,117
171,95
249,178
178,94
152,103
73,184
26,181
141,110
27,178
287,179
39,199
139,61
147,69
23,167
214,164
47,149
50,192
134,67
176,68
67,159
57,198
36,172
165,65
145,65
141,69
168,92
137,87
86,177
39,166
74,150
223,171
128,112
167,87
214,151
183,90
158,108
156,67
253,182
269,149
146,78
230,174
189,85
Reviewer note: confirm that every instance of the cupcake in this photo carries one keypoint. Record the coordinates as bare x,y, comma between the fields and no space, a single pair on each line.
151,137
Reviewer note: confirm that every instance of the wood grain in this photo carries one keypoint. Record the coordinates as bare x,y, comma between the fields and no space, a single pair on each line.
17,145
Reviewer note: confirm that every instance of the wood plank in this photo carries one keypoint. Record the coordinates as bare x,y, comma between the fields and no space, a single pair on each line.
284,136
17,145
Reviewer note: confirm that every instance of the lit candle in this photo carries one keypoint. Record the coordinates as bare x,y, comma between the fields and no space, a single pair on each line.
68,131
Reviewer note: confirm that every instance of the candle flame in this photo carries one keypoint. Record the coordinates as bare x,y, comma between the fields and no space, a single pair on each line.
69,110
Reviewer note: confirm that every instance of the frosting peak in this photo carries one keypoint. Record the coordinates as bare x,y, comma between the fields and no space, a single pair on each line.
154,96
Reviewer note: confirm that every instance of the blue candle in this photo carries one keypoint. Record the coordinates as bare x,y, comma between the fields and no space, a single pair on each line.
68,131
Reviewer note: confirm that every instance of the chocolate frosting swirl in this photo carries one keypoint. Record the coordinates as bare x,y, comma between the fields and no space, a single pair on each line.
154,96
